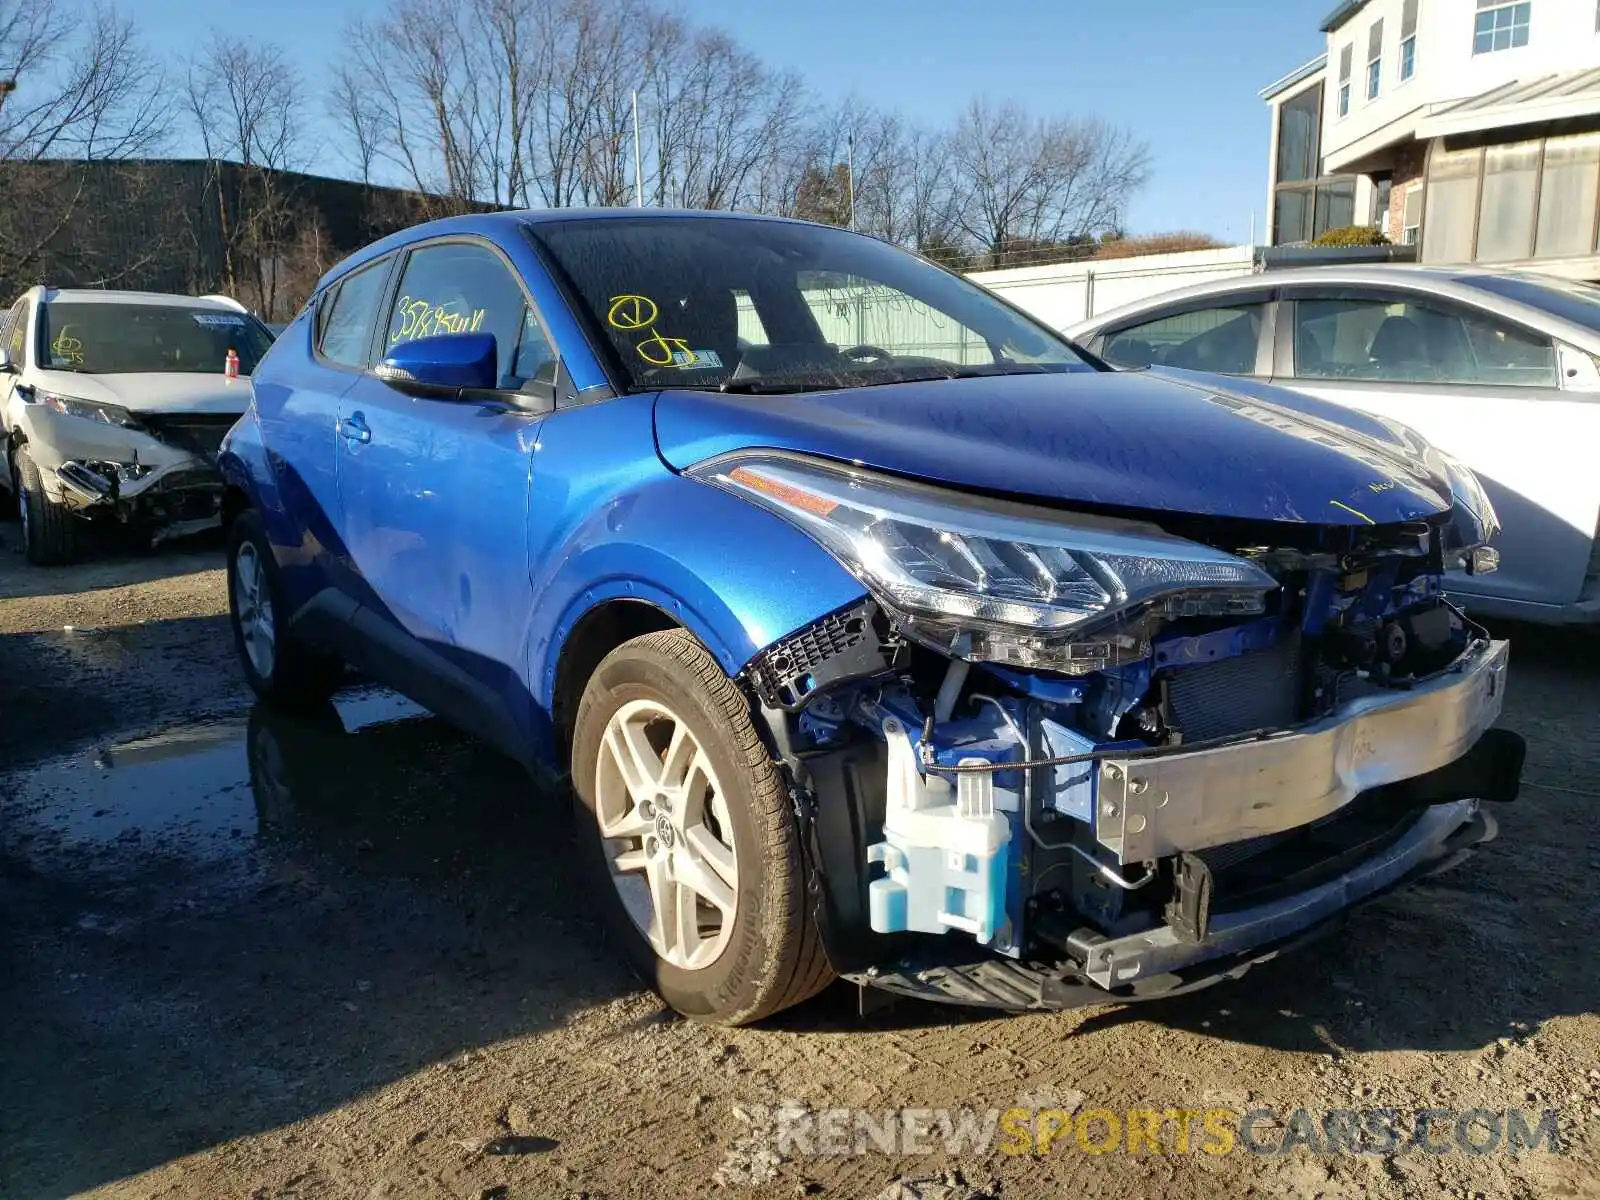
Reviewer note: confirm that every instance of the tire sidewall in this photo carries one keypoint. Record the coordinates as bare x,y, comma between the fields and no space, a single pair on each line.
247,528
733,983
29,494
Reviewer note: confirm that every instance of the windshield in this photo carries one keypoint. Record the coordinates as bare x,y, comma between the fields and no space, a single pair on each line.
1564,298
118,339
754,305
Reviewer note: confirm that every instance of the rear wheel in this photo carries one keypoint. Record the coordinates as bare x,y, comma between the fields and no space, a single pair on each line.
49,530
690,836
279,669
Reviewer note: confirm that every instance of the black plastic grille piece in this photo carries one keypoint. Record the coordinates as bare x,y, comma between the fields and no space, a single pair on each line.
844,644
1259,689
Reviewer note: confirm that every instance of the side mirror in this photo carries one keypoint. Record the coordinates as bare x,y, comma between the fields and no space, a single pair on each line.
7,367
447,363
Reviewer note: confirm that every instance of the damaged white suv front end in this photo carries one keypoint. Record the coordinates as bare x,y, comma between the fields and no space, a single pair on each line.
114,406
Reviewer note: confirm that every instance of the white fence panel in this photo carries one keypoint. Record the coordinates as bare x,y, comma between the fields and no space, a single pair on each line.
1066,293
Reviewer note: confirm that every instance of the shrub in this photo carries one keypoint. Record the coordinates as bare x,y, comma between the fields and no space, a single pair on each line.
1352,235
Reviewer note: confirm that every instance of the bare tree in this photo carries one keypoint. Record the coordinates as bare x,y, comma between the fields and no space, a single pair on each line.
527,102
1024,179
85,95
244,100
352,109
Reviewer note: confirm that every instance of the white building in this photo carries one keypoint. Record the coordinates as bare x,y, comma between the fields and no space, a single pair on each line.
1471,127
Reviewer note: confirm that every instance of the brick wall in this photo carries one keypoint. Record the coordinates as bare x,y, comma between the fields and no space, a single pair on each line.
1410,160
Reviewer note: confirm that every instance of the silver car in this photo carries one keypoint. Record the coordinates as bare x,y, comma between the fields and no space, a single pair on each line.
1500,369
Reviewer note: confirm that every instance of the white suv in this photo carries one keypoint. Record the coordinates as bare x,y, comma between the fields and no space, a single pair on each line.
112,406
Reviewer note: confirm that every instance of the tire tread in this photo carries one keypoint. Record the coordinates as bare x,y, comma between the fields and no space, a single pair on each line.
797,966
52,537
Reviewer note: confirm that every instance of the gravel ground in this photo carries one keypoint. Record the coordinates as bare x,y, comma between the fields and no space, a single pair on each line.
246,957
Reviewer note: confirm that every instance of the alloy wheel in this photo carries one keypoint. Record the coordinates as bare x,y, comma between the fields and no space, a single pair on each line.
668,838
253,605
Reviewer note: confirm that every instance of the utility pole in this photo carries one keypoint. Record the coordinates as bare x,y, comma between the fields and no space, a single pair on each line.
638,156
850,175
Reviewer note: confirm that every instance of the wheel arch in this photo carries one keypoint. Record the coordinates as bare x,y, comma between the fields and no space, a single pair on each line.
235,500
594,635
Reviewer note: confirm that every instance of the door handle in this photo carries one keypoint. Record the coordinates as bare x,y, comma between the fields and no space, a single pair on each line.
354,428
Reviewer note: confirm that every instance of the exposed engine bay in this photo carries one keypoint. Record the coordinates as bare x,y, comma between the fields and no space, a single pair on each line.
1154,801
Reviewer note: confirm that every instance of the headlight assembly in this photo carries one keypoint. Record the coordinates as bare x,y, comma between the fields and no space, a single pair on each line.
89,410
992,581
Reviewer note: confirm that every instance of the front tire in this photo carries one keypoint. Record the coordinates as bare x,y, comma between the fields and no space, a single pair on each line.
689,835
49,530
278,669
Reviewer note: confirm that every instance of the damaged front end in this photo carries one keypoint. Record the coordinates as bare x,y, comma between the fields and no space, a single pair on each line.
1057,759
154,471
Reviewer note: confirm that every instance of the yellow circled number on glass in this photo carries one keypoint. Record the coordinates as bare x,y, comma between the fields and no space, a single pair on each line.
630,312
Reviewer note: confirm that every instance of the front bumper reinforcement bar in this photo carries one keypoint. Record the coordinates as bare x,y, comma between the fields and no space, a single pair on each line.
1150,807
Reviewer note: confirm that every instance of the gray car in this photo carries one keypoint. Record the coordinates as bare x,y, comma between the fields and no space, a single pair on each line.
1500,369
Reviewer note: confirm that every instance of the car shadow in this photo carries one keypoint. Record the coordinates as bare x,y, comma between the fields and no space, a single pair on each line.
60,687
231,924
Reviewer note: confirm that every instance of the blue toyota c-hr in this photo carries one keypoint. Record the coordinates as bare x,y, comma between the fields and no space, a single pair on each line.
879,631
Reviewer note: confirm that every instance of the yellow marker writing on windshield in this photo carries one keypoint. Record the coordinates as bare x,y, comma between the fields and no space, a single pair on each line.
629,312
658,351
68,348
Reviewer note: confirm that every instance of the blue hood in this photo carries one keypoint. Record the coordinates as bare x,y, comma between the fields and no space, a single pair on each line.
1125,440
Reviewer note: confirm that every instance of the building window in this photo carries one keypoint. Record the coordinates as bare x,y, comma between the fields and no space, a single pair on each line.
1374,60
1336,207
1505,211
1523,200
1450,211
1500,26
1411,221
1299,122
1408,40
1382,192
1567,196
1305,211
1345,57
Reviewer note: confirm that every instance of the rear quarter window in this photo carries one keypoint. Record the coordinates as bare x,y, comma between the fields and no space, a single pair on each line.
346,316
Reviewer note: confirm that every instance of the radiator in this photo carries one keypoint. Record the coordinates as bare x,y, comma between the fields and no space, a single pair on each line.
1257,690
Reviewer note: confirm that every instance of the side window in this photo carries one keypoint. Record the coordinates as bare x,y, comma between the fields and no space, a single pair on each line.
536,357
17,334
454,288
1403,341
1223,340
344,319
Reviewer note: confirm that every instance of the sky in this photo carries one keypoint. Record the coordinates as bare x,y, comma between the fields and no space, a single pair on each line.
1182,74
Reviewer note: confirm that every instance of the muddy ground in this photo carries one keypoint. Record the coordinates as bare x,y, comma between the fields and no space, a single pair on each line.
246,957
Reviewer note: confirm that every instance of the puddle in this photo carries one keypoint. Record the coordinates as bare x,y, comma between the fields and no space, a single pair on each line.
200,792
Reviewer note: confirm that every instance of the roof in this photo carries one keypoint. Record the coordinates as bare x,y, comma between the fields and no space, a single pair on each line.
1458,281
1346,10
1522,101
155,299
1299,75
508,221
